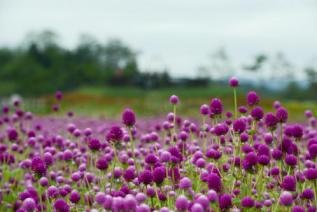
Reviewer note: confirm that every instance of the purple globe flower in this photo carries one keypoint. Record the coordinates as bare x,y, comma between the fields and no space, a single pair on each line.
74,197
94,144
146,177
286,198
61,205
247,202
58,95
204,110
225,201
311,174
102,163
233,82
182,203
216,107
128,117
289,183
291,160
281,115
308,194
174,100
29,204
257,113
270,121
252,98
239,126
38,166
115,134
185,183
159,174
214,182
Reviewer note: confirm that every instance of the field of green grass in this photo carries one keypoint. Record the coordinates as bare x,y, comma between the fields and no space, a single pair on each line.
108,102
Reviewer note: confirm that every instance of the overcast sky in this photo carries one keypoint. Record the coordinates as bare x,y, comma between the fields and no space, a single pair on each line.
178,34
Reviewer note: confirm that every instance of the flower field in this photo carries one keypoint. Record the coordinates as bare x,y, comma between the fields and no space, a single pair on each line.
247,158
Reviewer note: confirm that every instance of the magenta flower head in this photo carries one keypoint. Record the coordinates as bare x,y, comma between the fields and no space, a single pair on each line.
297,131
270,121
286,198
233,82
61,205
312,149
38,166
216,106
115,134
128,117
182,203
225,201
146,177
174,100
289,183
94,144
311,174
29,204
74,196
214,182
257,113
58,95
159,174
308,113
247,202
239,126
281,115
102,163
204,110
252,98
307,194
185,183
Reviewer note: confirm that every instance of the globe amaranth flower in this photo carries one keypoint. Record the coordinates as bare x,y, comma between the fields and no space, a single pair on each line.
74,197
38,166
129,174
225,201
216,106
281,115
174,100
307,194
146,177
61,205
128,117
312,149
204,110
243,109
239,126
247,202
29,204
286,198
102,163
185,183
94,144
214,182
257,113
291,160
115,134
159,174
252,98
289,183
182,203
311,174
233,82
297,131
270,121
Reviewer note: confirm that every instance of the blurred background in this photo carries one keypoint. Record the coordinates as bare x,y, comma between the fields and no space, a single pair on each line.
105,55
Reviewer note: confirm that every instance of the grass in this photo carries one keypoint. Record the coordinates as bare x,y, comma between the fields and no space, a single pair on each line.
110,101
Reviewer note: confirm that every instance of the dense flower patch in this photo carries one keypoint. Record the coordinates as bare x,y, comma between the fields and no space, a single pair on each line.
245,160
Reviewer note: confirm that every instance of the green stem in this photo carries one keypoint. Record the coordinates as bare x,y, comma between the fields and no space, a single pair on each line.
235,103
